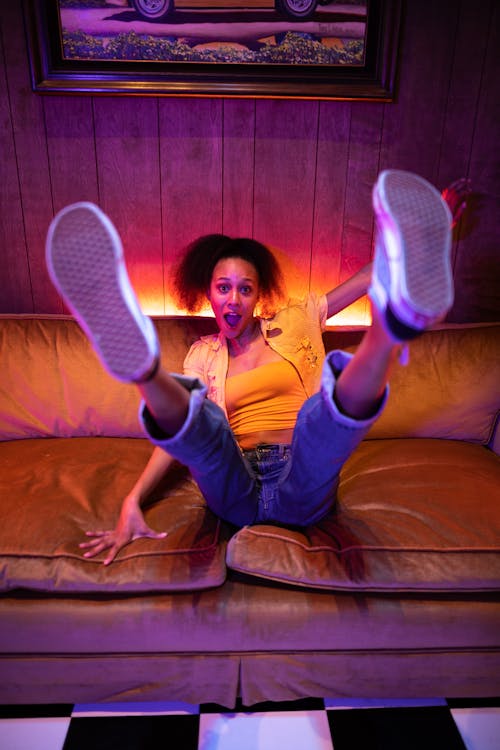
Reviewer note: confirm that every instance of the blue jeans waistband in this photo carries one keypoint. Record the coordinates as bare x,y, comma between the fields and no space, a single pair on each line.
268,451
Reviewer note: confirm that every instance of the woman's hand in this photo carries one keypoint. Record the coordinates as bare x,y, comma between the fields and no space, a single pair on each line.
455,196
131,525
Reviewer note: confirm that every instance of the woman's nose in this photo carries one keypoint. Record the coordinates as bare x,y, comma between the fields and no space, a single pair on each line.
234,297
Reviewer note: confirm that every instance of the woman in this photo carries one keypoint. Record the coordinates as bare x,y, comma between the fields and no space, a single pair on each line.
280,420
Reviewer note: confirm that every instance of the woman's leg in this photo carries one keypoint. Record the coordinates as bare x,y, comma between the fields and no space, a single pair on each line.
411,289
205,444
167,401
332,423
361,385
411,286
85,261
324,437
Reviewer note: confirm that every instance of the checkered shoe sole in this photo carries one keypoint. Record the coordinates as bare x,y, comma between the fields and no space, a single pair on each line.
86,264
412,271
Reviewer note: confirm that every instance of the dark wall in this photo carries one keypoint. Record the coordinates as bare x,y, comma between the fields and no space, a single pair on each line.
294,174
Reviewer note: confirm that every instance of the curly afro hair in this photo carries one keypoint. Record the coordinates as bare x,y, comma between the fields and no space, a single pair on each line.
194,272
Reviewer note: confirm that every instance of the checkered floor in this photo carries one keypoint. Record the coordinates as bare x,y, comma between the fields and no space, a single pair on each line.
303,725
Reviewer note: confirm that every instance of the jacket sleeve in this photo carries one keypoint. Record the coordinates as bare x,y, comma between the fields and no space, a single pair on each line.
320,304
315,307
194,363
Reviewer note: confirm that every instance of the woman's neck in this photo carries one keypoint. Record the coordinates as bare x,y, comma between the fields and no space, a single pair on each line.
243,343
250,350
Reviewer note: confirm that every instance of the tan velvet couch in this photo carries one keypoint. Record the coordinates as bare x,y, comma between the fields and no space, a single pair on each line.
395,594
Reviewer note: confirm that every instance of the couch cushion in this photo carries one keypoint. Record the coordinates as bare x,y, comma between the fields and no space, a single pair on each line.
412,515
60,488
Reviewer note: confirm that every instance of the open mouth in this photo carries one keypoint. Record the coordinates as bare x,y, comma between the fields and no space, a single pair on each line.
232,319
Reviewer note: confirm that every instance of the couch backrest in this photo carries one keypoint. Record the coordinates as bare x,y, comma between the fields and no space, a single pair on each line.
52,384
450,388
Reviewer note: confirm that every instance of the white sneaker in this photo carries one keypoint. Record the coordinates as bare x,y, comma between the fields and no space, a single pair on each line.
85,262
412,280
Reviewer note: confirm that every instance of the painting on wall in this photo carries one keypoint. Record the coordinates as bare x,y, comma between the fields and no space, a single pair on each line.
259,48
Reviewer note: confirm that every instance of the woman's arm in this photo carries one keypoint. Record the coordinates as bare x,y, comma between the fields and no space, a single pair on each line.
349,291
159,463
131,524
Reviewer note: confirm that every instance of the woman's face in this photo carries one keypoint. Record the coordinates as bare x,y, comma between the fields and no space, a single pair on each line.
233,294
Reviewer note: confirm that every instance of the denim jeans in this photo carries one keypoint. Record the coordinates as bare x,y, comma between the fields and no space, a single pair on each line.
267,463
293,485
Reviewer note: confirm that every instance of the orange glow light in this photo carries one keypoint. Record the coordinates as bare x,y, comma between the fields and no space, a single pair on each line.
354,316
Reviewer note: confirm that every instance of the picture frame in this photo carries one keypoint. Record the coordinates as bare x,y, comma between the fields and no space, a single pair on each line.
54,71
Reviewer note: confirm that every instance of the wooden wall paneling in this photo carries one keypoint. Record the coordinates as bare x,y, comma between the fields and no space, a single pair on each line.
191,174
413,125
281,180
31,153
127,147
461,113
362,172
71,148
285,174
330,194
478,263
418,130
464,88
238,166
15,283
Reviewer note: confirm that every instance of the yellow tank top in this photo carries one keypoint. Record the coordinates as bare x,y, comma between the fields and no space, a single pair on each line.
264,399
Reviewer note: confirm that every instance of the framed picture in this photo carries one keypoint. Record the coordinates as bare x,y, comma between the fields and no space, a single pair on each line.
307,49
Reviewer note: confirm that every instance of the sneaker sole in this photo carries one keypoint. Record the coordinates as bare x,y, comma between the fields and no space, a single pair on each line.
413,212
86,264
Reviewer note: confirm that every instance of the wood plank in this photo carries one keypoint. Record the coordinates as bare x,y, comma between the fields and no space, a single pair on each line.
191,175
429,130
15,283
461,111
71,149
285,174
31,153
477,269
330,194
128,170
238,167
463,93
413,126
363,168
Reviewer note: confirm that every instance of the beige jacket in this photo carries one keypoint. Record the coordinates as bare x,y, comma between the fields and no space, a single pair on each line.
294,332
